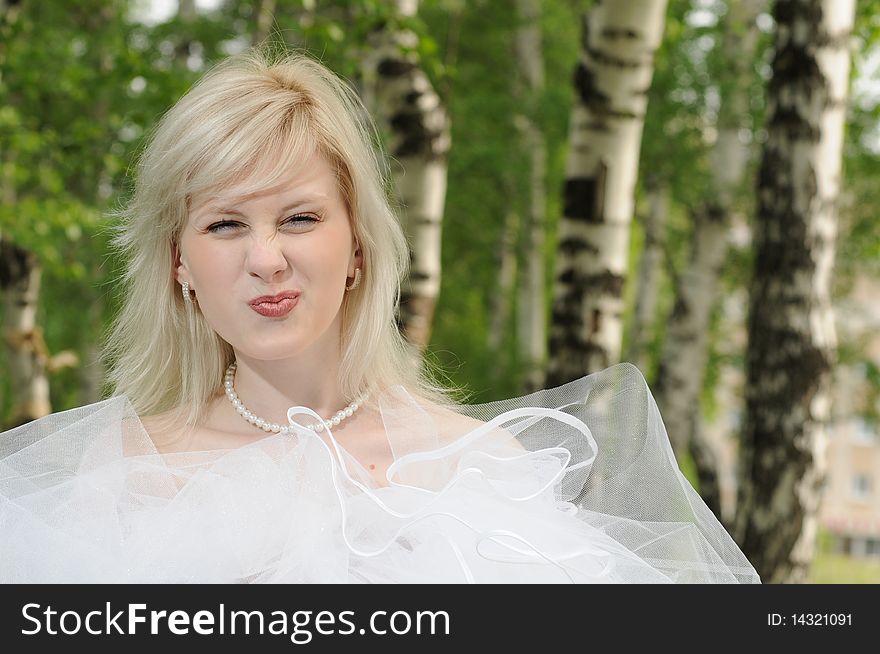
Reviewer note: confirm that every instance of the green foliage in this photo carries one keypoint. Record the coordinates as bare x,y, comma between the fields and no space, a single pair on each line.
82,85
859,244
488,176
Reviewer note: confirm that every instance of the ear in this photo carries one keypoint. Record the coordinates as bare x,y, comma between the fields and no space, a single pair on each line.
356,260
179,267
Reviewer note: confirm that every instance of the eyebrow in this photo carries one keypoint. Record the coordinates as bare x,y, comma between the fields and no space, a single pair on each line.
224,211
229,211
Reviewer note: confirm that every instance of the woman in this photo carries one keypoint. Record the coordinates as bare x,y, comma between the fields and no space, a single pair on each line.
269,424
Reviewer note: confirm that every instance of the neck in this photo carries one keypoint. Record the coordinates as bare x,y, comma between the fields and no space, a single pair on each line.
311,379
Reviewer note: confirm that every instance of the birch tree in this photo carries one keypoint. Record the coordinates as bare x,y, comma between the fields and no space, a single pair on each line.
264,15
27,353
411,113
530,63
650,270
500,301
611,83
28,361
790,325
685,348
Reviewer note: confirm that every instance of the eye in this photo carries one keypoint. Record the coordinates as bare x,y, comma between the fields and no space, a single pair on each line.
301,220
222,226
298,221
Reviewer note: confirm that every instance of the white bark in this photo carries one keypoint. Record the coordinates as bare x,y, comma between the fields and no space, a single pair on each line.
686,345
264,16
530,63
27,356
791,329
187,13
186,10
93,372
500,300
612,80
409,110
650,270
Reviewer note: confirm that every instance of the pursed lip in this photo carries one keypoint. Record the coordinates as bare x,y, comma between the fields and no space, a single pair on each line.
275,298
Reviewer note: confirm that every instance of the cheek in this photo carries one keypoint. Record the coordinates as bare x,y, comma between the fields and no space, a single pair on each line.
213,274
210,268
330,256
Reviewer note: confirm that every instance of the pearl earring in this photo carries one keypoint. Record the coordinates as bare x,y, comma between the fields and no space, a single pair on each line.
356,282
186,296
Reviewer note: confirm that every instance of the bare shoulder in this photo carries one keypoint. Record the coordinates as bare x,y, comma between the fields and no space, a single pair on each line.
452,425
165,431
157,428
448,419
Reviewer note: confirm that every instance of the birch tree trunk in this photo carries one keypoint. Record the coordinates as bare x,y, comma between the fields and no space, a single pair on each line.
27,356
409,110
650,267
611,82
264,15
791,329
500,301
27,353
530,63
93,372
686,345
187,13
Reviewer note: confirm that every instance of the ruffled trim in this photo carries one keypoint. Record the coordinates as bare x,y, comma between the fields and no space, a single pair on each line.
497,477
574,484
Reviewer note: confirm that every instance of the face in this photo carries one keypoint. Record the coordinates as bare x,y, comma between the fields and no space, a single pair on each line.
294,237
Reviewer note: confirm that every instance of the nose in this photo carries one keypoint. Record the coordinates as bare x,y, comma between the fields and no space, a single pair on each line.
266,258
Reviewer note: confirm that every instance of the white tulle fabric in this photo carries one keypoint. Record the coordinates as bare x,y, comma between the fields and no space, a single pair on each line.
572,484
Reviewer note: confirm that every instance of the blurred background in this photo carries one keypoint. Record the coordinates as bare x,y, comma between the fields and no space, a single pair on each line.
688,185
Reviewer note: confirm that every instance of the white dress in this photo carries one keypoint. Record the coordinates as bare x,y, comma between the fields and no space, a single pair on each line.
572,484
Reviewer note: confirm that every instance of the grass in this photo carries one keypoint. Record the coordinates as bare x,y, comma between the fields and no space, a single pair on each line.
830,568
835,568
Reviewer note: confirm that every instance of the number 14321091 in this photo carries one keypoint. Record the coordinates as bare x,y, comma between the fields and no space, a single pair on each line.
809,619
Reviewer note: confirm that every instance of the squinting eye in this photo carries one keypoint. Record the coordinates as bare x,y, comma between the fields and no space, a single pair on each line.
299,220
302,220
221,227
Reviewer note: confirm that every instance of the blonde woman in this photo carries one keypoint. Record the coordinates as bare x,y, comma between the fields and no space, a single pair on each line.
268,423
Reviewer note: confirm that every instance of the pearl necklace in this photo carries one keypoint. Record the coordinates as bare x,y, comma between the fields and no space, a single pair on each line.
274,427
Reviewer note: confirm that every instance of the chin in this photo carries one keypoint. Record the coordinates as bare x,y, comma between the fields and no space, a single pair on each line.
273,351
279,346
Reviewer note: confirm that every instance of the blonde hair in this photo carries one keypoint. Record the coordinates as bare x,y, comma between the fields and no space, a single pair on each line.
252,109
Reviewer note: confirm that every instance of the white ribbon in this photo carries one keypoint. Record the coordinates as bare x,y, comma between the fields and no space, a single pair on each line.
536,413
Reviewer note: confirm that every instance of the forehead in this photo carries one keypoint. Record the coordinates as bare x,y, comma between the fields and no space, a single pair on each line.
309,179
